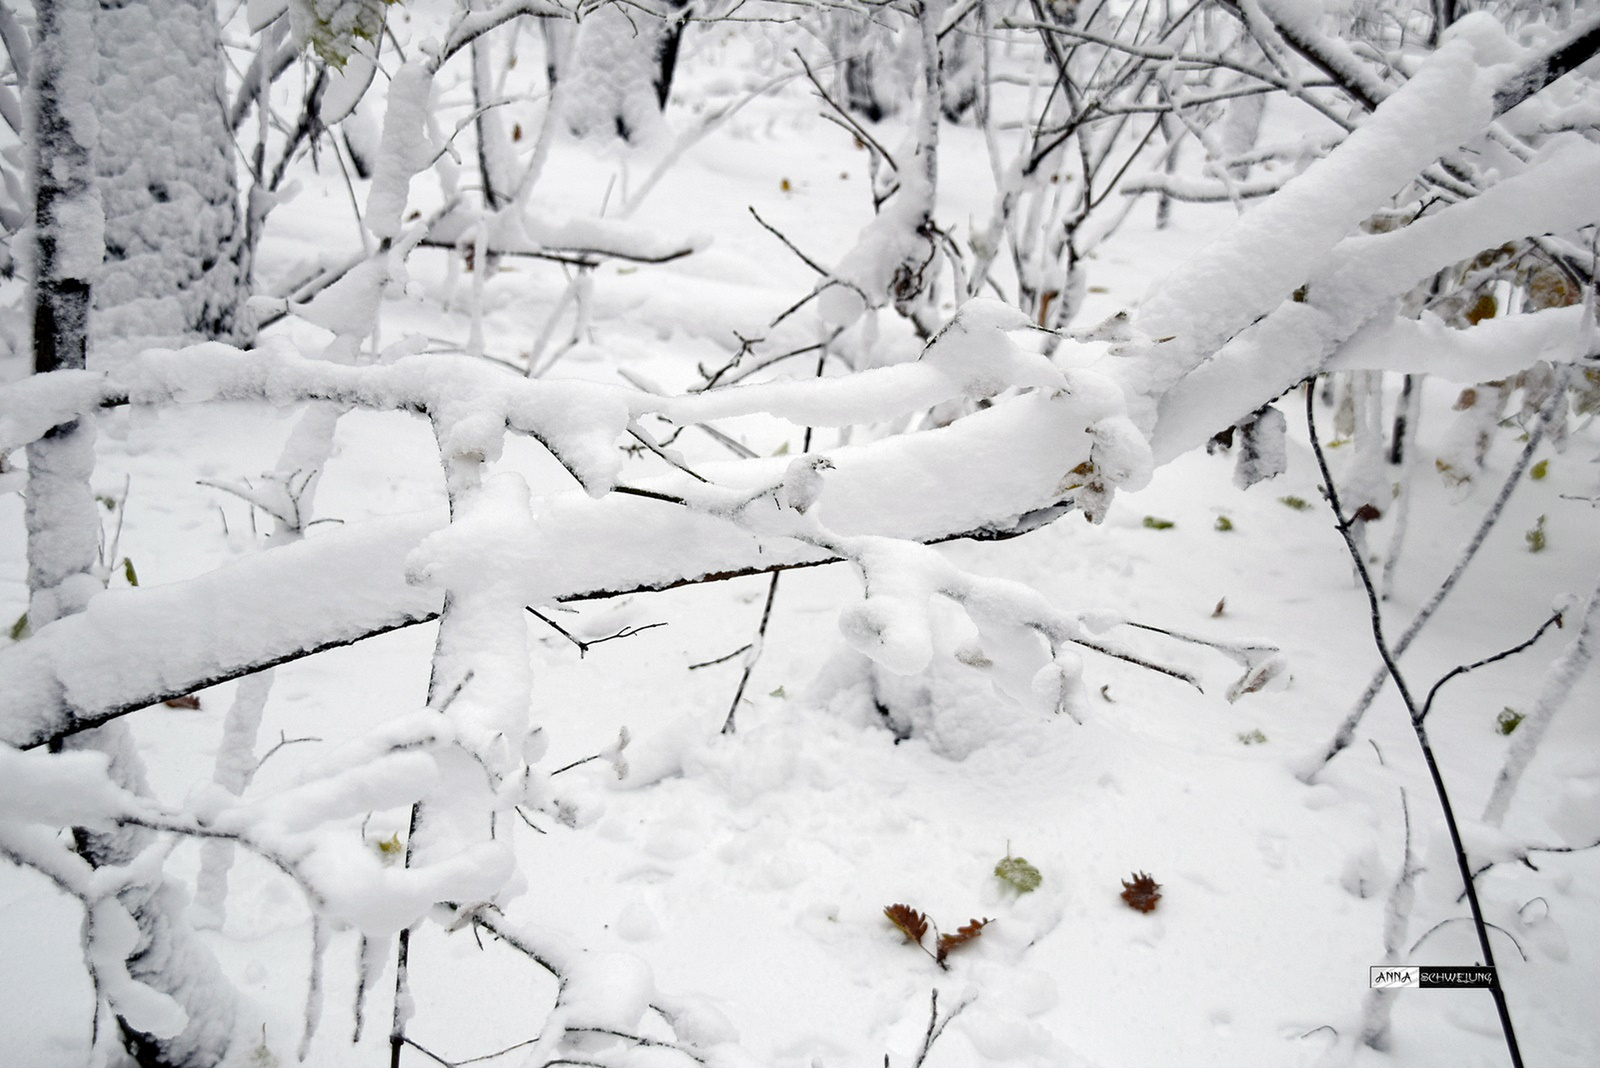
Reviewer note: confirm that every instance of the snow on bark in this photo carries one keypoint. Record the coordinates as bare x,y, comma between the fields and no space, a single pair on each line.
344,584
616,78
532,231
168,956
482,559
1494,348
1272,249
236,766
1262,450
175,268
404,150
1359,280
133,647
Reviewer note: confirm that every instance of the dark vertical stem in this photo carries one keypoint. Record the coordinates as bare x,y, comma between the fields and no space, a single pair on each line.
1462,863
754,654
1402,412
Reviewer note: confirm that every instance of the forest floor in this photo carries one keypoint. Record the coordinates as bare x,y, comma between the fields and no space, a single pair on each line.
752,870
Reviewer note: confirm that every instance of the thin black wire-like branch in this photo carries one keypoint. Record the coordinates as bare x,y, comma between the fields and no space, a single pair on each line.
1463,919
584,645
1374,606
1462,669
638,434
720,659
790,245
845,119
1522,856
754,654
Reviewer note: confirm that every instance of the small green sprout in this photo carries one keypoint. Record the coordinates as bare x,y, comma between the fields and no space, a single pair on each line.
1297,503
1152,523
1252,737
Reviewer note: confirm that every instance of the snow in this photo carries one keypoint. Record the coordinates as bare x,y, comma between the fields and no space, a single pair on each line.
913,715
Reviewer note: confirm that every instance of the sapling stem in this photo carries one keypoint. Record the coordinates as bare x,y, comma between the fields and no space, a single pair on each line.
1417,727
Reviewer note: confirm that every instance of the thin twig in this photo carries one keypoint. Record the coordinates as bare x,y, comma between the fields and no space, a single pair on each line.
1417,726
1462,669
720,659
584,645
790,245
1463,919
754,653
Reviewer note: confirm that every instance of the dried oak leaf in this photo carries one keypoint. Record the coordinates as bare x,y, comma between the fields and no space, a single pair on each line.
189,701
912,923
964,934
1142,893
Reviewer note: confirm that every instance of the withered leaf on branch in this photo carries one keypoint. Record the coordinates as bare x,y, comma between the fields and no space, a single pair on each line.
964,934
912,923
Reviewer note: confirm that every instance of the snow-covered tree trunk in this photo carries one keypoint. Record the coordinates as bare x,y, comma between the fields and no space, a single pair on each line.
63,525
618,75
176,269
62,518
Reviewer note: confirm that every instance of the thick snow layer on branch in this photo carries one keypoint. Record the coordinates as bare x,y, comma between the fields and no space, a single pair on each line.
1492,349
1272,249
135,646
387,781
111,935
893,241
60,789
1362,277
403,151
533,234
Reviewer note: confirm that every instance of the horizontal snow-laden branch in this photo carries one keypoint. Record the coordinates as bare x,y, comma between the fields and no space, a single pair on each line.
586,240
1269,251
1494,348
1361,277
474,402
133,647
1203,190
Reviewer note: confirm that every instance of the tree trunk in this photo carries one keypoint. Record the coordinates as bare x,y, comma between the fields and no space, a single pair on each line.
176,268
618,75
63,522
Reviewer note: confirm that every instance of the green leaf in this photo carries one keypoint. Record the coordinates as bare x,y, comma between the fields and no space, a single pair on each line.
1297,503
1224,523
108,503
20,629
1018,874
1535,537
1508,720
778,693
1152,523
390,849
1539,470
1254,737
781,450
129,573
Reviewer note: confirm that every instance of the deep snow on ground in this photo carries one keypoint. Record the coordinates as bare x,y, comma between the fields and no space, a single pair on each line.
752,870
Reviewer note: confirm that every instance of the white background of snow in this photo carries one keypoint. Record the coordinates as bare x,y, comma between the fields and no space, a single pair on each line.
753,870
